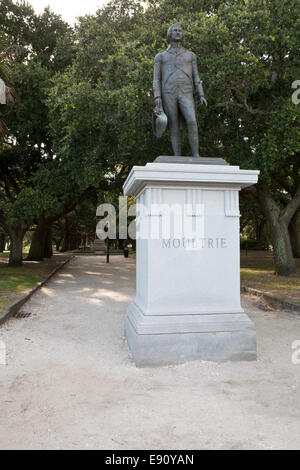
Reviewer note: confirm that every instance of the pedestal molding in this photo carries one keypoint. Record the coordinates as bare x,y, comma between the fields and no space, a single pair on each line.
166,173
185,324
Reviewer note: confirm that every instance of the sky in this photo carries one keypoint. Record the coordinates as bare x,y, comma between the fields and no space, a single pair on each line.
69,9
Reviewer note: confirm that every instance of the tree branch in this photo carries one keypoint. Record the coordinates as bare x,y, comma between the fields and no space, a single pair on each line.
250,110
4,224
289,211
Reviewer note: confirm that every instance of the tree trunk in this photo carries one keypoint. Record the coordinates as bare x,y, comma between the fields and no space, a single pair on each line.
260,225
16,247
48,250
66,246
75,242
279,233
37,247
283,254
121,244
2,242
295,235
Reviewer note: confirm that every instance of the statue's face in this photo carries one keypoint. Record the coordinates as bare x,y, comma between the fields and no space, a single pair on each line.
177,34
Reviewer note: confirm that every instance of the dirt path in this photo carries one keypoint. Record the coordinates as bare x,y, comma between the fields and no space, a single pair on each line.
70,382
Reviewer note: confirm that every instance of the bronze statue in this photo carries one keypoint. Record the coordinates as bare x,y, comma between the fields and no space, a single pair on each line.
175,78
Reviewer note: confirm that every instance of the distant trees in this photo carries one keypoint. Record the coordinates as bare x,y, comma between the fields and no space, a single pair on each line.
7,93
28,164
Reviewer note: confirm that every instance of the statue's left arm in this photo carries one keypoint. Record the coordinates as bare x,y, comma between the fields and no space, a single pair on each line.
157,81
197,81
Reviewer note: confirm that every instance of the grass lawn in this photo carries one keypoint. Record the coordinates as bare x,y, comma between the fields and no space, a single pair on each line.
257,271
16,282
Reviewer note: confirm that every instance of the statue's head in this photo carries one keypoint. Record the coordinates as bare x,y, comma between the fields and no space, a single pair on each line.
175,33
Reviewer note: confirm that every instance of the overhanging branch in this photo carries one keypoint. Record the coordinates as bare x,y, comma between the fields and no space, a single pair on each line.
289,211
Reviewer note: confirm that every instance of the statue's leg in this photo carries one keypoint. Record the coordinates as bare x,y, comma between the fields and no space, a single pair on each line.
187,107
170,106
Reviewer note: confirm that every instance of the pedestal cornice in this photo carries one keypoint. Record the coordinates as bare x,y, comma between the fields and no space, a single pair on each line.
168,173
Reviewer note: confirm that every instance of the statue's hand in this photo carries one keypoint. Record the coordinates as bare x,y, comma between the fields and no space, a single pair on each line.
158,103
203,101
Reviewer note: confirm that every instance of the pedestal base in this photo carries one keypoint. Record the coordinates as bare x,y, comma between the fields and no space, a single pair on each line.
191,160
175,339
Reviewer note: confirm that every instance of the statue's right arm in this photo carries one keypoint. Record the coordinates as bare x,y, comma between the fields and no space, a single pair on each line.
157,77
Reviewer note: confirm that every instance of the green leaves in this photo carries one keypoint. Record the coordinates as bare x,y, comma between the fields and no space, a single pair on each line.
42,46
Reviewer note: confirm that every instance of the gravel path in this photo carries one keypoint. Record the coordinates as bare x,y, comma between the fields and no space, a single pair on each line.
70,382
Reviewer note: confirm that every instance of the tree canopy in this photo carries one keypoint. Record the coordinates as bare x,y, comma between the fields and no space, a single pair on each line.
86,100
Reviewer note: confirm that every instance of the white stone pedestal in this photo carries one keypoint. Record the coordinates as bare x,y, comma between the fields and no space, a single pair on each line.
187,304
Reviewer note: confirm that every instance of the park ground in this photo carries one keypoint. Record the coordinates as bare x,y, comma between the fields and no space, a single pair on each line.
70,381
257,272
